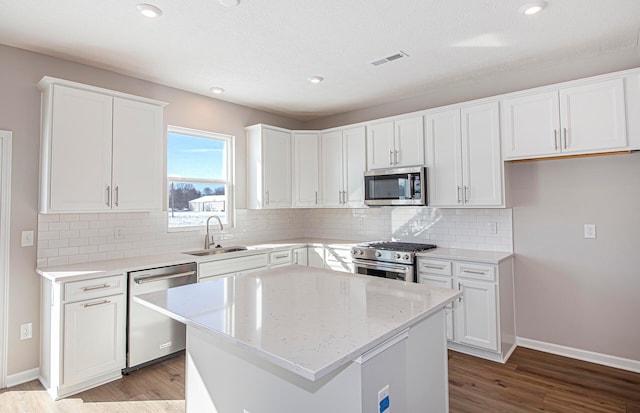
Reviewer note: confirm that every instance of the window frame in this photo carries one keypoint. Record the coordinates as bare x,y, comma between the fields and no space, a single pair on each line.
229,183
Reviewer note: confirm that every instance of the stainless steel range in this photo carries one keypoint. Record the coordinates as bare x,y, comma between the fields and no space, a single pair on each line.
388,259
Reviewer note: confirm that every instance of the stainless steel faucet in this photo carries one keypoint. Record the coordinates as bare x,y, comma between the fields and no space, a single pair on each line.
207,238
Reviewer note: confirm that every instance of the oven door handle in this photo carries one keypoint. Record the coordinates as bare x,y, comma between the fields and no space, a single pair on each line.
382,266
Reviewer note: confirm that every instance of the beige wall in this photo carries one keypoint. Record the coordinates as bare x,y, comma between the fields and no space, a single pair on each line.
20,113
571,291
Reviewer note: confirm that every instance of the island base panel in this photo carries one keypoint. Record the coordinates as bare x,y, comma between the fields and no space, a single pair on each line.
222,377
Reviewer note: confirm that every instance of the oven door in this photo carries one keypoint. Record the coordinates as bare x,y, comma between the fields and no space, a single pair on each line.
384,270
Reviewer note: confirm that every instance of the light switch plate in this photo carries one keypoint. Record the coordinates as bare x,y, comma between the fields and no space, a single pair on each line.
590,230
27,239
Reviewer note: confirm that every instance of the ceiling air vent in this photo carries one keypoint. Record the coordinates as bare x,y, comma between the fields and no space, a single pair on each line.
391,58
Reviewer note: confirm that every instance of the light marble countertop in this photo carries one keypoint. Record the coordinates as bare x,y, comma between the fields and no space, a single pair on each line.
95,269
307,320
487,257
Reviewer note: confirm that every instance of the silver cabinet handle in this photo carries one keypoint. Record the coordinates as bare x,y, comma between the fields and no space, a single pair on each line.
295,257
565,138
459,188
344,197
108,195
116,196
390,157
474,272
460,289
280,256
466,194
96,287
396,157
316,197
555,138
435,267
98,303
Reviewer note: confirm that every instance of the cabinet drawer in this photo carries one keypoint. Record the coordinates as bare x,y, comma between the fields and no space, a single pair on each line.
475,271
430,266
97,287
232,265
434,281
280,258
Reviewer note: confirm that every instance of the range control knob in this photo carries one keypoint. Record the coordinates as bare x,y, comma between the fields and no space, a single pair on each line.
406,256
378,254
361,252
354,251
398,256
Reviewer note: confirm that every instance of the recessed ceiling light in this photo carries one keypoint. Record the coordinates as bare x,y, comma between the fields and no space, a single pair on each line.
316,79
217,90
149,10
229,3
532,7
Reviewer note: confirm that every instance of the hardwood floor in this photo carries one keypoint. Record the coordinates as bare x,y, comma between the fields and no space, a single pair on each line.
533,381
530,381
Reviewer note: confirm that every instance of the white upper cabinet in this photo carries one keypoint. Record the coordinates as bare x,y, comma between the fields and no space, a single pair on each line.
463,157
396,143
269,167
343,165
137,155
588,118
100,150
306,169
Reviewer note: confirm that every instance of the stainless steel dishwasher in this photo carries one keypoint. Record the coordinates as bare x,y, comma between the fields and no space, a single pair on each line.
152,336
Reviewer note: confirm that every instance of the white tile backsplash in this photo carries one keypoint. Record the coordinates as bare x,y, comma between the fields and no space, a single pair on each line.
77,238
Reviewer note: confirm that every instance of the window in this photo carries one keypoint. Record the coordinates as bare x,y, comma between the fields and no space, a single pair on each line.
199,177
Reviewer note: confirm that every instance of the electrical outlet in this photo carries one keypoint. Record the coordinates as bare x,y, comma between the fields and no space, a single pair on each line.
26,331
590,230
383,400
118,233
27,239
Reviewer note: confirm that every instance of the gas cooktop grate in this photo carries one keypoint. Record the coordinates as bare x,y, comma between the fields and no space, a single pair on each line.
400,246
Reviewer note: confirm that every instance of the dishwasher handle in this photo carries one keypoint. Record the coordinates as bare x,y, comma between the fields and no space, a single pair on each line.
154,278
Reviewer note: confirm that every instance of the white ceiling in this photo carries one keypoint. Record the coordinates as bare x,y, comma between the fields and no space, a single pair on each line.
262,51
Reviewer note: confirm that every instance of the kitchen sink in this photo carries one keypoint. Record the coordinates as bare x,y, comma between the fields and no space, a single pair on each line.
215,251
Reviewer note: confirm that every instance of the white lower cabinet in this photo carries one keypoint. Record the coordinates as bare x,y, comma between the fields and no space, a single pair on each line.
481,322
232,266
83,334
300,256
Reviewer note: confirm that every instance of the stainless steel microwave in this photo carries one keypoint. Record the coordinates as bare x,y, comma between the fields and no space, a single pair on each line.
399,186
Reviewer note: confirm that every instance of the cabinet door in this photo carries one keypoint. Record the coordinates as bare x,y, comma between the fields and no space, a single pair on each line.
94,341
481,159
442,282
409,142
276,147
300,256
80,151
593,117
137,155
531,125
380,149
306,170
444,159
355,163
476,315
315,257
332,173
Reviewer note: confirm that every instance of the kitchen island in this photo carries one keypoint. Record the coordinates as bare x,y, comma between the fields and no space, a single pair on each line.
297,339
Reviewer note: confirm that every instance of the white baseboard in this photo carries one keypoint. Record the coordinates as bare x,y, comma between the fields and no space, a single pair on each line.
584,355
22,377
